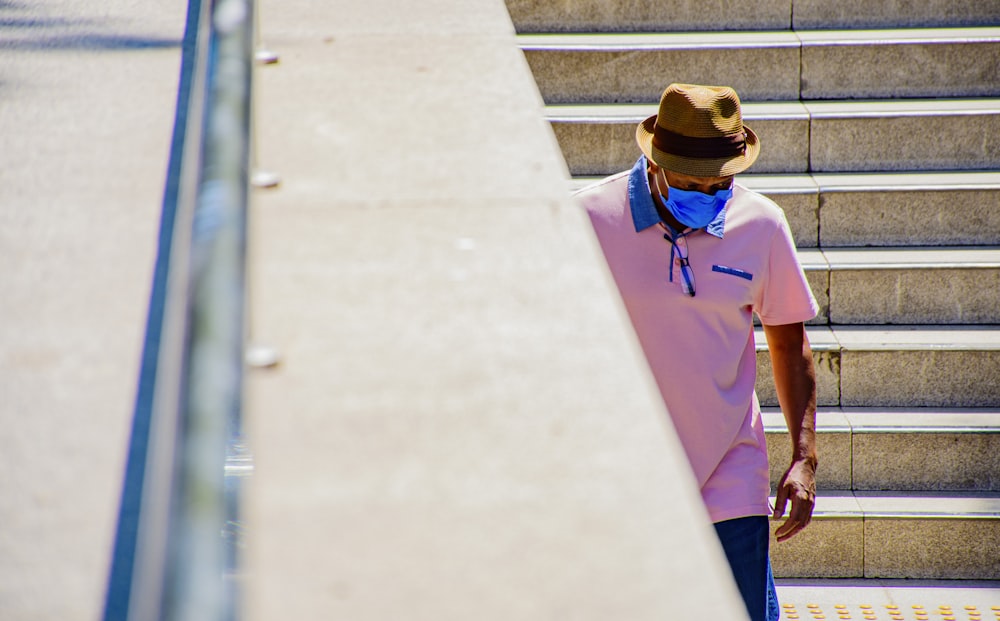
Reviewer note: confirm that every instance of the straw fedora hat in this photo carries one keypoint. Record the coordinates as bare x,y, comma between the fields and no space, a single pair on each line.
699,131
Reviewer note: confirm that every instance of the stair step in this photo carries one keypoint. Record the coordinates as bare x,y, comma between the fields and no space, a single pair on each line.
876,599
849,14
905,285
898,366
630,68
891,209
798,137
709,15
909,209
600,139
910,449
896,535
906,366
881,136
678,15
954,62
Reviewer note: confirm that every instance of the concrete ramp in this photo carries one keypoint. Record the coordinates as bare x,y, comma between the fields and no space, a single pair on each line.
460,425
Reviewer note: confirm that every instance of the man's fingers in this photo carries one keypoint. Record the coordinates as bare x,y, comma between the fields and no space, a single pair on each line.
798,517
780,501
791,526
788,530
797,487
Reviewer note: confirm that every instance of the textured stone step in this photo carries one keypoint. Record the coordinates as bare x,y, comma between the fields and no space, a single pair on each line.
911,286
909,209
896,535
918,366
900,63
706,15
882,136
678,15
891,209
848,14
902,366
630,68
798,137
800,198
913,449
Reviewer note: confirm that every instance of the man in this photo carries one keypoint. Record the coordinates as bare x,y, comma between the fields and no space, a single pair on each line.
694,255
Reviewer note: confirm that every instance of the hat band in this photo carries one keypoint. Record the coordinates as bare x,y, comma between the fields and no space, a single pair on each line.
706,148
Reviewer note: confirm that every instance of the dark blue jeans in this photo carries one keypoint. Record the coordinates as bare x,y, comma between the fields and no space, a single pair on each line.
745,541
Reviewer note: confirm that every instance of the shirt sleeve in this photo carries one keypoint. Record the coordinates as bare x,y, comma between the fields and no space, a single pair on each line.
785,296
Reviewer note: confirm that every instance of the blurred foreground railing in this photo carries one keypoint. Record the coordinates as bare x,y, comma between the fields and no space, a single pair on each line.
174,550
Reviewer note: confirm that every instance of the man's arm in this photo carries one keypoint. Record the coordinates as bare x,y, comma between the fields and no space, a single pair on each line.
795,382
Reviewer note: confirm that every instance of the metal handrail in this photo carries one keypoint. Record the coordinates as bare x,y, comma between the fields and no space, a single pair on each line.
171,558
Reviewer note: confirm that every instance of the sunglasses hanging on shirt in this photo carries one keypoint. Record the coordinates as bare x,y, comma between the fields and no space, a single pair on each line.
679,255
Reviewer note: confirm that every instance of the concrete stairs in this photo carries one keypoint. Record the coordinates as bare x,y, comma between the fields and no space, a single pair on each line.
880,125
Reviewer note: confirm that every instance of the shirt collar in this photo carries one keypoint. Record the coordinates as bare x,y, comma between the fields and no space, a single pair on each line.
640,199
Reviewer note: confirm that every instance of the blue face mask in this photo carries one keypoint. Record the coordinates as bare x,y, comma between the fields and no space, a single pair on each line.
696,209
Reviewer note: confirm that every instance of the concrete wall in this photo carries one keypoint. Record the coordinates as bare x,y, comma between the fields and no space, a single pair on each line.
461,426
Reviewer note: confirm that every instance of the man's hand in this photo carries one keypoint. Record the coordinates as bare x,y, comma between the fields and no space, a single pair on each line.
795,383
799,486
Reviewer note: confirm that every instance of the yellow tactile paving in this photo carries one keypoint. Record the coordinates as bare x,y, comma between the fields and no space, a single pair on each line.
887,612
889,600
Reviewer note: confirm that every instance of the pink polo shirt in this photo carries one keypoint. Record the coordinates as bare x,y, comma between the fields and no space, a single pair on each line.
701,349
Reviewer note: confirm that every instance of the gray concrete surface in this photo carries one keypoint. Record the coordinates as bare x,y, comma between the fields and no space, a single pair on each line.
460,426
87,93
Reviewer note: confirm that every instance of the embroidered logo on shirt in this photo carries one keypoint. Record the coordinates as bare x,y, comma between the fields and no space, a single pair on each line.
732,271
